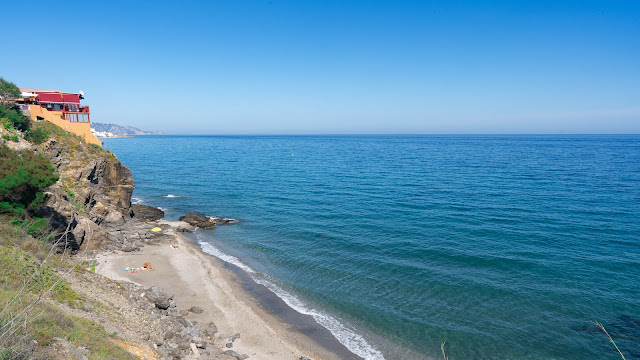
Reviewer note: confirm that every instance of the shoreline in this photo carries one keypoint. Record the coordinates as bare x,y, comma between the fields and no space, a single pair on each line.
234,302
277,306
115,137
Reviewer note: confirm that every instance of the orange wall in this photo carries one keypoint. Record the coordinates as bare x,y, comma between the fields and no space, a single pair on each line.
55,117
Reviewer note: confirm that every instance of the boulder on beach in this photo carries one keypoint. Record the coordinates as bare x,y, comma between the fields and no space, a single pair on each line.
158,297
196,309
198,220
144,212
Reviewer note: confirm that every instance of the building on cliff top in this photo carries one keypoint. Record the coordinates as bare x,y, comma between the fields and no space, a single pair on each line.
60,108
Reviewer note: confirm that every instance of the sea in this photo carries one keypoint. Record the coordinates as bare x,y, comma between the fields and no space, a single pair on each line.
500,247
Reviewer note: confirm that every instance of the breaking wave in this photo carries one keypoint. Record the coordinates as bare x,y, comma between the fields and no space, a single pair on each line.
135,200
345,335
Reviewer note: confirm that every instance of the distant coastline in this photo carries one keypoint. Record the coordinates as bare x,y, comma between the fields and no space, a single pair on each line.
112,130
115,137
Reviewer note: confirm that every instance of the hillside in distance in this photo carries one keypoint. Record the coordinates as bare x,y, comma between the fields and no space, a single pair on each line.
122,130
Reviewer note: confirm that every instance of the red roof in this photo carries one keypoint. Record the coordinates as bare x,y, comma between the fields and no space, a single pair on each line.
59,98
71,98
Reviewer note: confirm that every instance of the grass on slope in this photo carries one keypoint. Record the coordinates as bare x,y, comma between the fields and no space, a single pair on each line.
29,325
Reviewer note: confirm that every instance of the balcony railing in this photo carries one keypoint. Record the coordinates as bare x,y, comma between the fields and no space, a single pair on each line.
76,109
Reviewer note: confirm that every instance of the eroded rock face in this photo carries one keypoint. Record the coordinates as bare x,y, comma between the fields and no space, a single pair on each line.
92,195
117,182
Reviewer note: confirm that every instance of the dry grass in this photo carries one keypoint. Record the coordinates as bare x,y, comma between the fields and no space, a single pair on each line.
27,323
444,355
599,324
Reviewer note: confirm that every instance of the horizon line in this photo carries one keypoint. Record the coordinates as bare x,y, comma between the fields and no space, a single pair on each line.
392,134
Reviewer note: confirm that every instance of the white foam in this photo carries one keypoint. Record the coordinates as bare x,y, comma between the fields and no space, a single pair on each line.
345,335
135,200
172,196
212,250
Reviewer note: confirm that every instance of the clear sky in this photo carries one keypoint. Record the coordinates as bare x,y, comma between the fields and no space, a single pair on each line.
309,67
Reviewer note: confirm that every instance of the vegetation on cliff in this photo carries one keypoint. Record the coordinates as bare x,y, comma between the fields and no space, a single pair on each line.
11,119
88,187
22,179
54,191
8,90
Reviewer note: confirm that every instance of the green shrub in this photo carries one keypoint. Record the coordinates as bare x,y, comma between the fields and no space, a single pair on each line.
14,118
38,135
13,137
11,208
8,90
36,226
22,178
7,124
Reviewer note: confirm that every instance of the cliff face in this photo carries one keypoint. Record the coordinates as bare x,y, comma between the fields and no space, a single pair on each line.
93,195
114,179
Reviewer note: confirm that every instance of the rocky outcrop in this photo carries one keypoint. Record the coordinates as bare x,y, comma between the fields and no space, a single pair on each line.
144,212
198,220
224,221
205,222
92,195
115,180
159,298
146,316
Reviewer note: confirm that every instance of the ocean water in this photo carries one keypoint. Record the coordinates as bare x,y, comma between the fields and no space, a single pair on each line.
507,247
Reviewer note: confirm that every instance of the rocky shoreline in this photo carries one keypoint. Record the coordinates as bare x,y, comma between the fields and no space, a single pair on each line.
190,312
188,306
147,320
169,331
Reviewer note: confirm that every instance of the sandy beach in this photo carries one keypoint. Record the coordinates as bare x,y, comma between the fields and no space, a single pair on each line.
195,278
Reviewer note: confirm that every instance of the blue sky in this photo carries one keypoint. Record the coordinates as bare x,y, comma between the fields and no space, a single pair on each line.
281,67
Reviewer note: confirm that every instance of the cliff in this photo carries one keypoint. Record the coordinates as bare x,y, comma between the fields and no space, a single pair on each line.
93,193
91,201
55,307
164,311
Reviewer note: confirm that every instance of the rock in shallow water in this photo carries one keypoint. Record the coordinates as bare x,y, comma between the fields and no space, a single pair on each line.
224,221
204,222
198,220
